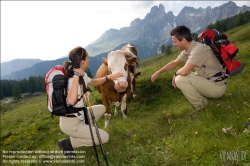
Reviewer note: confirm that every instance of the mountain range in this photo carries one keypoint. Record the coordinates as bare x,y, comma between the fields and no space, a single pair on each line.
146,34
17,64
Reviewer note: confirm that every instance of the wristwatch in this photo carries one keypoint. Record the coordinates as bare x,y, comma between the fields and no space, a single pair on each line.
76,73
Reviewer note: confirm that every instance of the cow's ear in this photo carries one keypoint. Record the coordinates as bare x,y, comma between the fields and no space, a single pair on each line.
104,60
131,60
137,74
126,55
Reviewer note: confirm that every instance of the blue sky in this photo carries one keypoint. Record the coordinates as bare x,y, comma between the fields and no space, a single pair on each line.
48,30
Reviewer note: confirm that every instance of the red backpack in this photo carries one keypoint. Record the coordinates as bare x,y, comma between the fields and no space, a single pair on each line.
223,49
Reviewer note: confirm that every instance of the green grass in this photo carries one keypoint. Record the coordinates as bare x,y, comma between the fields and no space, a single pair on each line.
158,130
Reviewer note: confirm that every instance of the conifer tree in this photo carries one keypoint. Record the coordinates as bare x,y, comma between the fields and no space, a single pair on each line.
16,92
1,95
168,50
162,48
239,20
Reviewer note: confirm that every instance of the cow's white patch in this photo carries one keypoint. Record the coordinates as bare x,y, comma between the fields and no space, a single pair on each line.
130,52
116,63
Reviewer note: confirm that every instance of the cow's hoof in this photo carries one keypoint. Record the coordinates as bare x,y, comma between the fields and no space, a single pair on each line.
107,119
124,116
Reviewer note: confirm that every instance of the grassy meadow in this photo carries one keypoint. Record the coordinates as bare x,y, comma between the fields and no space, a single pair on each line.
158,130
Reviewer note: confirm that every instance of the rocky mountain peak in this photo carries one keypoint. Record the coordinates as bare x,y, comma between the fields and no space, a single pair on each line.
157,10
229,4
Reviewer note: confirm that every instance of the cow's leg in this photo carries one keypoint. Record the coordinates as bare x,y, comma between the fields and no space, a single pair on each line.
124,106
115,113
107,119
107,115
116,104
133,85
133,88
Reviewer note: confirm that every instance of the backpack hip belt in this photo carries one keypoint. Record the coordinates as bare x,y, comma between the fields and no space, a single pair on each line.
220,76
217,77
71,109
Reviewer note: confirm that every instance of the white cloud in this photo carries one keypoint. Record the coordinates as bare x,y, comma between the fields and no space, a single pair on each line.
50,29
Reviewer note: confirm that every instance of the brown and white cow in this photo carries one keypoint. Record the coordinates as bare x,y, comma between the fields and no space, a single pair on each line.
116,61
131,51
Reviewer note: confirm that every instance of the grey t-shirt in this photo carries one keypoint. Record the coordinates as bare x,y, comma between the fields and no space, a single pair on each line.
201,55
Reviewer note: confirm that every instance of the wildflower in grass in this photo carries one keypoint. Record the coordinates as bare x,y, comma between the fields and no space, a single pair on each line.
196,132
246,126
134,138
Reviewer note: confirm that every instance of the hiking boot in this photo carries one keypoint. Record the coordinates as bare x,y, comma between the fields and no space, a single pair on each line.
66,147
194,114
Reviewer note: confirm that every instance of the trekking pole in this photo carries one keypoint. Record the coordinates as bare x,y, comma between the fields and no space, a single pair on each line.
97,131
82,85
94,123
92,136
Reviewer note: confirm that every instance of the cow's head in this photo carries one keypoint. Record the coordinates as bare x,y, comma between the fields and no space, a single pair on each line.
132,56
130,50
117,62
